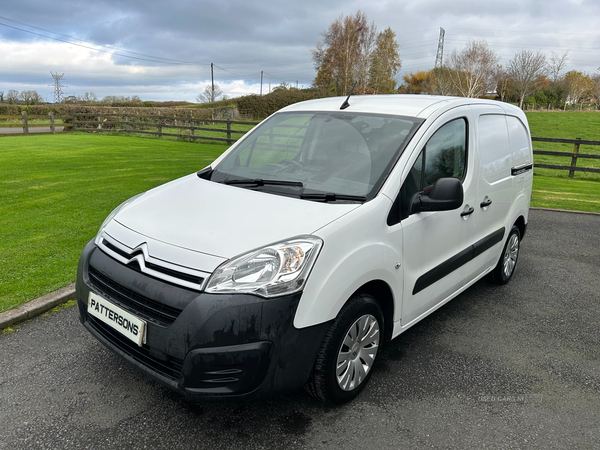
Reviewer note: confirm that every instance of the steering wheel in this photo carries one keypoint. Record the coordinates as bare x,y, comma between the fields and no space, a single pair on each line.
292,162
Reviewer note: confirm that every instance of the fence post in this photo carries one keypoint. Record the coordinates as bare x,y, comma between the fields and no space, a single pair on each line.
127,127
159,128
25,125
229,142
574,158
99,122
51,115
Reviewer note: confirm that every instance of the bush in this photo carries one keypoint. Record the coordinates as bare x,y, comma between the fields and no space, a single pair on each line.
262,106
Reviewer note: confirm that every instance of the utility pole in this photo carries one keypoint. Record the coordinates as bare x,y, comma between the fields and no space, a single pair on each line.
57,87
212,78
439,58
261,78
269,84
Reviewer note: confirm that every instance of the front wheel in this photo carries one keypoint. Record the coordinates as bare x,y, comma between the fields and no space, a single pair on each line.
505,268
346,358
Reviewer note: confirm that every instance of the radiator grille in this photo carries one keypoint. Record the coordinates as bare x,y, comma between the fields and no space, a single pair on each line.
142,306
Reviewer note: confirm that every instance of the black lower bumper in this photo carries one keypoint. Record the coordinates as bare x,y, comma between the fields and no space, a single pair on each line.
205,346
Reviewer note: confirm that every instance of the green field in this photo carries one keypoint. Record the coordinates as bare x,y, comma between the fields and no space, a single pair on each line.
566,125
57,189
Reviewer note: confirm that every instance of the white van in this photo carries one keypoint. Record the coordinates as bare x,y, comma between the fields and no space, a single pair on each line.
324,232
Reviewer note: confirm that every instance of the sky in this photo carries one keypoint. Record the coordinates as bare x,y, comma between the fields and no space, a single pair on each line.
162,50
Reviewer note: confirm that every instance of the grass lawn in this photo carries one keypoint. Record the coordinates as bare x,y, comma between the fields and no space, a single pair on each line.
553,188
566,193
566,125
57,189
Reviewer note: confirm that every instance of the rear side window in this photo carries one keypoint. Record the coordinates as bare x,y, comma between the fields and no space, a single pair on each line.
519,139
444,156
494,147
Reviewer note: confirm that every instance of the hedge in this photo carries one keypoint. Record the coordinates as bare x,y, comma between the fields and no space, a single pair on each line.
67,110
262,106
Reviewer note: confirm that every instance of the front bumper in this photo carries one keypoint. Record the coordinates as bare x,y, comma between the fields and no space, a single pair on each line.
204,346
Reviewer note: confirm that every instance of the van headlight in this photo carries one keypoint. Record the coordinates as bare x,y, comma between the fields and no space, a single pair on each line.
277,269
112,215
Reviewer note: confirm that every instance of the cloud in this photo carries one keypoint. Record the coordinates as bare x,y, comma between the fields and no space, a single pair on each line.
244,37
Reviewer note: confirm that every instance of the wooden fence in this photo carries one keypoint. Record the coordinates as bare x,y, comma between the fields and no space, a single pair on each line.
178,127
191,128
574,156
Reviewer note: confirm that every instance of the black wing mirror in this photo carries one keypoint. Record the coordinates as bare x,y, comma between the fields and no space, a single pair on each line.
447,194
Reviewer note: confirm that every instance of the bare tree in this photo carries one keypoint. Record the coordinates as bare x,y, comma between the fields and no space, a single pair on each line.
12,96
556,64
88,97
503,84
525,69
473,71
385,63
209,94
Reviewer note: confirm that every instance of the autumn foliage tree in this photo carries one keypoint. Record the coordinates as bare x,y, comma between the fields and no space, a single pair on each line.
347,53
385,63
579,86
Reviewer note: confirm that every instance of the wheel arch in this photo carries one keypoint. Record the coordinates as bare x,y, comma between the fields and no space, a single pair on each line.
382,293
521,225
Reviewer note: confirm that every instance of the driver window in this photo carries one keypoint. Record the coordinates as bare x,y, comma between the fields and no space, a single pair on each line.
444,156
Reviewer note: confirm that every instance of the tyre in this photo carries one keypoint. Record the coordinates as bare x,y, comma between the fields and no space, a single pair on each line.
505,268
345,361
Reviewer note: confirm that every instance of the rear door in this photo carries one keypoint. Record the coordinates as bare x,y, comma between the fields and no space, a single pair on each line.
495,188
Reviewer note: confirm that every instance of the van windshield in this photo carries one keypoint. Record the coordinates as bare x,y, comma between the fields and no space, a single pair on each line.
346,156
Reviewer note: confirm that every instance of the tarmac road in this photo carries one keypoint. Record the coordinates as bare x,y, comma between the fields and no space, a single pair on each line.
516,366
19,130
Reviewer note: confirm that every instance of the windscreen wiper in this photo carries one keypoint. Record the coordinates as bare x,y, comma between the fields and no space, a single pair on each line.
261,182
331,197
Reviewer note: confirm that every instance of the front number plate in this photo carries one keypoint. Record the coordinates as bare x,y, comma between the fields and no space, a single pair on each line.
125,323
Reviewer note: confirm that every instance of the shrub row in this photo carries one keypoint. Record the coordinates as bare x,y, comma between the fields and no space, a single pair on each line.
66,110
262,106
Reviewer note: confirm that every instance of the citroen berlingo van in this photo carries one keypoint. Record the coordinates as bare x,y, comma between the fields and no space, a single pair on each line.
329,229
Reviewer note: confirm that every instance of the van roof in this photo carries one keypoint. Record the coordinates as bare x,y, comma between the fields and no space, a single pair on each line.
421,106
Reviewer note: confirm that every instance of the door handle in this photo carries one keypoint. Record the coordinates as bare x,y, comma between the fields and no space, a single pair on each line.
486,202
467,212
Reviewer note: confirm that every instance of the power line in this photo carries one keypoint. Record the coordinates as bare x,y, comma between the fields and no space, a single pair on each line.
111,52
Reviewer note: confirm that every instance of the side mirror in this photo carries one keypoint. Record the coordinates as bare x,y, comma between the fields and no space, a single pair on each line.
447,194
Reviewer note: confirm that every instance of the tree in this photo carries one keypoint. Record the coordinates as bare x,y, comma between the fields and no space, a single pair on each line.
504,85
88,97
1,96
557,64
385,63
417,82
596,80
12,96
341,57
525,69
30,97
209,94
473,71
579,86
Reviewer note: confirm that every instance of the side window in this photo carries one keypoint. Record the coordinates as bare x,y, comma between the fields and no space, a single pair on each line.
494,147
444,156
